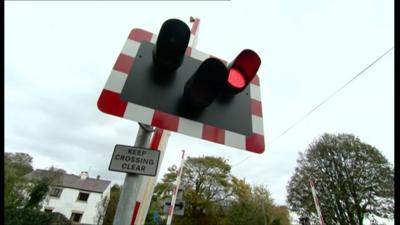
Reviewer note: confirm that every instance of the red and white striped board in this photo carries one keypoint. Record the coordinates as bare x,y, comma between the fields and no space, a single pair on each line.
110,102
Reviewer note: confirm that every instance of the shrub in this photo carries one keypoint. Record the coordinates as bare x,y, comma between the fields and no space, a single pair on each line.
26,216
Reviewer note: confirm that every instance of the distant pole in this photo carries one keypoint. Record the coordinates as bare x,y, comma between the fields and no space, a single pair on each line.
316,202
132,183
263,209
194,32
175,189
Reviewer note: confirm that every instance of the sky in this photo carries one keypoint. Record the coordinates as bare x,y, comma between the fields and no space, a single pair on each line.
58,56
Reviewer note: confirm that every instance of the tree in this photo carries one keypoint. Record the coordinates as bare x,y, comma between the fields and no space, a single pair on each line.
253,205
207,182
213,196
248,205
16,189
163,189
26,216
40,184
37,195
22,188
101,208
112,204
162,192
353,181
20,162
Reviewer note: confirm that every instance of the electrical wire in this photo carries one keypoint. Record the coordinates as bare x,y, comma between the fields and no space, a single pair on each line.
320,104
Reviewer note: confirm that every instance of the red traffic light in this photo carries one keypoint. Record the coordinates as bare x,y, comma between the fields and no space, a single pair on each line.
236,78
242,70
213,78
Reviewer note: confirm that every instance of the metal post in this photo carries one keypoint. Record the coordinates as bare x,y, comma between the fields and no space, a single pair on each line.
132,183
158,143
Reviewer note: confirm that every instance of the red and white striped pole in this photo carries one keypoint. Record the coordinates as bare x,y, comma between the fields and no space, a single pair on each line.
175,189
316,202
158,142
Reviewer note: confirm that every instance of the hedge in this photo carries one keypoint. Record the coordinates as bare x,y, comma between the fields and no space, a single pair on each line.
25,216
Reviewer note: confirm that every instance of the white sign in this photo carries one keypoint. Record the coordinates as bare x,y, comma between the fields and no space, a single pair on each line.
135,160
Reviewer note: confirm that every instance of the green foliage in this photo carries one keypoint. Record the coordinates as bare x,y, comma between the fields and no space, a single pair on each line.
37,195
15,186
112,204
207,183
253,205
352,179
40,186
166,183
25,216
19,162
213,196
276,222
22,197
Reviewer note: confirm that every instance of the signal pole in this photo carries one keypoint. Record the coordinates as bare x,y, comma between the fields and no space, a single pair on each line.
316,202
132,183
175,189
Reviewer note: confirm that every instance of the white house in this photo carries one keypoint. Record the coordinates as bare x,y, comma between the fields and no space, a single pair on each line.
76,197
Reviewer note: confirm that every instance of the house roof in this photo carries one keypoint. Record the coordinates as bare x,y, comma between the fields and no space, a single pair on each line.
73,181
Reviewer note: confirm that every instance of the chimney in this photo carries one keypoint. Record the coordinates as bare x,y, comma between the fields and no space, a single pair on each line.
84,175
98,177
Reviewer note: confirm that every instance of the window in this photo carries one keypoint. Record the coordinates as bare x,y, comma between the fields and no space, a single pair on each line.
83,196
55,192
76,217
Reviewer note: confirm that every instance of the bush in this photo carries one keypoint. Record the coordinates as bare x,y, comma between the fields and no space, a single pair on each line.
33,217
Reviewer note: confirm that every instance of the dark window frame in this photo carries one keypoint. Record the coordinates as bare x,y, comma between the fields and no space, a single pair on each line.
56,192
83,196
73,217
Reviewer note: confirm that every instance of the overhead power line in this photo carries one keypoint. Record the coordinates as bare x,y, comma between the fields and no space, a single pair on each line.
322,102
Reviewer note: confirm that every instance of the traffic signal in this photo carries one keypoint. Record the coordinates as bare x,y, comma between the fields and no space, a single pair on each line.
171,45
205,84
161,80
164,78
241,71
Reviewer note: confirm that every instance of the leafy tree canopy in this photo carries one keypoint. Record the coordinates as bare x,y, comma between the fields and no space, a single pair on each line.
353,181
16,165
21,189
214,196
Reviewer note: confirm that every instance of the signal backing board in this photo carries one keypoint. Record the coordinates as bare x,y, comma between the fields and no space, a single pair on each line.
111,102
